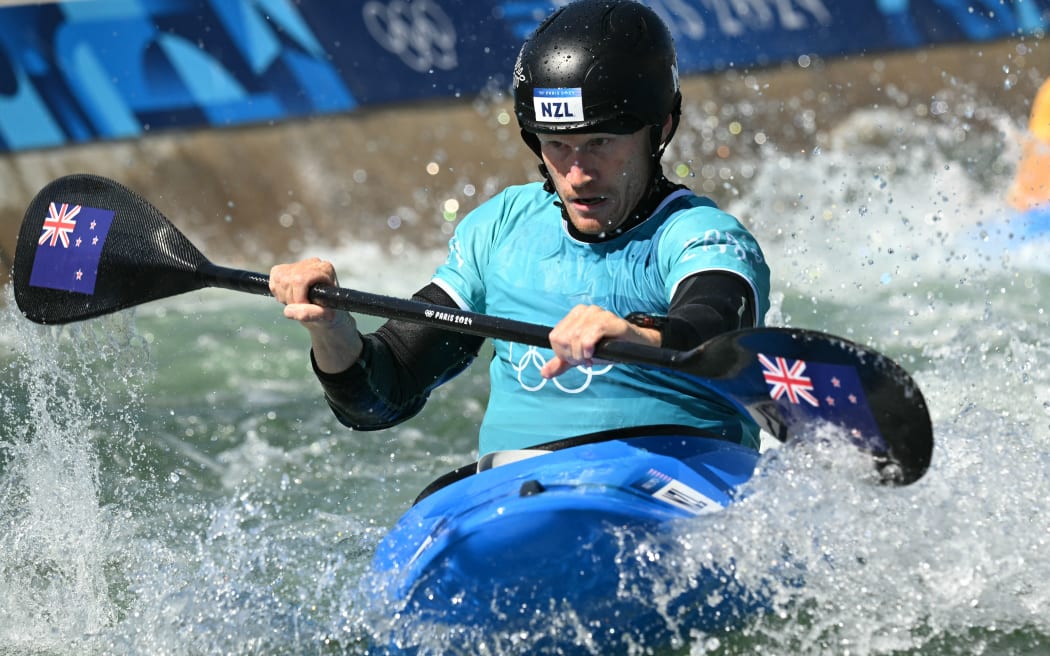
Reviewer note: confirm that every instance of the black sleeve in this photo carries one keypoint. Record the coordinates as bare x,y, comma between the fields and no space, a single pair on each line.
400,365
705,305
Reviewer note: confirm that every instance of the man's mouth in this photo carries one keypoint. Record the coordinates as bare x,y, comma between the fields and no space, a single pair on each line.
589,200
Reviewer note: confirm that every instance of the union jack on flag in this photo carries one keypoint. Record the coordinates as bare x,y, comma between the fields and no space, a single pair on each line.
821,390
788,380
68,252
58,224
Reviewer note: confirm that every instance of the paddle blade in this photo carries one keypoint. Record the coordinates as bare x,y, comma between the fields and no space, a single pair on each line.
788,380
89,246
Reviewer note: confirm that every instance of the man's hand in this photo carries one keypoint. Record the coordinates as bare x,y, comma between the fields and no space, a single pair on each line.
290,284
333,334
575,337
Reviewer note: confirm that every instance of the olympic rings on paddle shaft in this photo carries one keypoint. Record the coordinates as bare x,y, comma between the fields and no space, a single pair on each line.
419,32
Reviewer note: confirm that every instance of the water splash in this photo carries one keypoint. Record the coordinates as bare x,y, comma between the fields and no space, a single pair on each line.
60,541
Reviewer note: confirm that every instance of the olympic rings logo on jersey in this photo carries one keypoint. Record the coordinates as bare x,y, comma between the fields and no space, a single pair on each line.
418,32
533,360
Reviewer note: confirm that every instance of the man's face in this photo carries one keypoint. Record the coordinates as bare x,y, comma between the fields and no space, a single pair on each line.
600,177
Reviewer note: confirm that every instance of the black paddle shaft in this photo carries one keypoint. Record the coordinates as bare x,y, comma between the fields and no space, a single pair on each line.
88,246
429,314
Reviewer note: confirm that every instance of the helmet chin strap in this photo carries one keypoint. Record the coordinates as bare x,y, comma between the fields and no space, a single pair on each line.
658,146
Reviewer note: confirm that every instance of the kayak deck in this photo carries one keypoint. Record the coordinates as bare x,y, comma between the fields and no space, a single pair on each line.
505,547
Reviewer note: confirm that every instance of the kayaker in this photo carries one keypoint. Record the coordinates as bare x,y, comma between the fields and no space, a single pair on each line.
605,247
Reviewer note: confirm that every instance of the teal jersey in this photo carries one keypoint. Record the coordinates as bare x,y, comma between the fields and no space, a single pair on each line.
513,257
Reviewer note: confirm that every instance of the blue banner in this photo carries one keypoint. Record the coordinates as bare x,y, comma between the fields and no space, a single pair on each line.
72,72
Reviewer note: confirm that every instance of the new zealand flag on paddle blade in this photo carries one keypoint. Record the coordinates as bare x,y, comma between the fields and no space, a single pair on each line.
69,248
829,392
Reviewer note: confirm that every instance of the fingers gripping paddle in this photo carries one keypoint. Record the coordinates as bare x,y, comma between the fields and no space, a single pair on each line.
89,246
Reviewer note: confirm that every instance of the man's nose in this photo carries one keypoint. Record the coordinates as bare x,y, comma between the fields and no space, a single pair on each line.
580,170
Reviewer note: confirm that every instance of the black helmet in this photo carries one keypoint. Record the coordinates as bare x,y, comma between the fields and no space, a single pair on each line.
597,66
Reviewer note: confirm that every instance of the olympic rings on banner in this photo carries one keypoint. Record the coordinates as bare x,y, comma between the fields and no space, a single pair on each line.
419,32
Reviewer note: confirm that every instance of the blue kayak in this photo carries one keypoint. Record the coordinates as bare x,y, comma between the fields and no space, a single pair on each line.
1014,233
1028,226
499,549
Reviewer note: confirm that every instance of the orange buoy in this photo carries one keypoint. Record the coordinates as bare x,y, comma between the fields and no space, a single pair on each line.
1031,186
